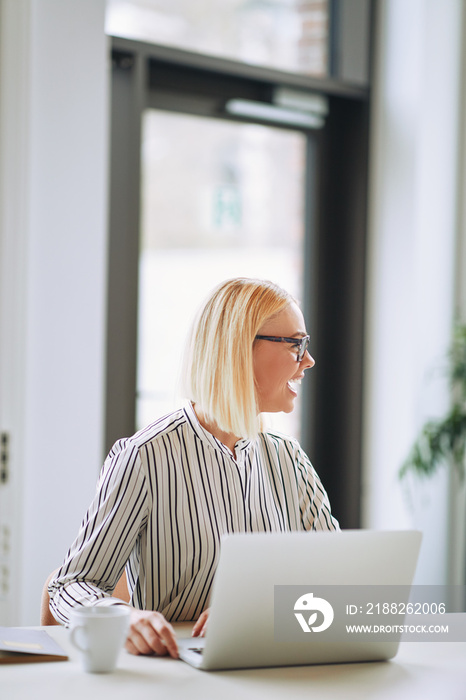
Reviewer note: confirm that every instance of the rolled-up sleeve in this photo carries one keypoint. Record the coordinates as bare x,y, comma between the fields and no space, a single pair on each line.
108,535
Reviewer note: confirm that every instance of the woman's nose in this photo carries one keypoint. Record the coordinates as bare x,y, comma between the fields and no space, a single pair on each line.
307,361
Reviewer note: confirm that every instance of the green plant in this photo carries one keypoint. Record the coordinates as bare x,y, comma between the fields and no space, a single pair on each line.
443,441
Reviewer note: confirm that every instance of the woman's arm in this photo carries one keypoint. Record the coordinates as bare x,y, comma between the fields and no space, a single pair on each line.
315,507
107,536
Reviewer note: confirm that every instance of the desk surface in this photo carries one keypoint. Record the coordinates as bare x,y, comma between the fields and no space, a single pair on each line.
420,670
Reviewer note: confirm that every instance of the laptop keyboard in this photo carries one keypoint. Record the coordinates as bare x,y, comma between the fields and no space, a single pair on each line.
198,650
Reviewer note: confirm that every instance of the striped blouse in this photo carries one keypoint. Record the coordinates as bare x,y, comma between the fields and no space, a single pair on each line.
164,499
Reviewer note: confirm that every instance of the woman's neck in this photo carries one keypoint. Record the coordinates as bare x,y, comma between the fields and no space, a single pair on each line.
227,439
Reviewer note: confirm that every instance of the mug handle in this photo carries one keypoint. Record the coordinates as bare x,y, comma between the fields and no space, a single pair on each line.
74,639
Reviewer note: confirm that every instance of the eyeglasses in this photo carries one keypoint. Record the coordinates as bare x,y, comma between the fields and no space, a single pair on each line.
301,344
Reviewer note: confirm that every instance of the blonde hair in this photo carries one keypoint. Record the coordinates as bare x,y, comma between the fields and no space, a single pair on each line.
218,372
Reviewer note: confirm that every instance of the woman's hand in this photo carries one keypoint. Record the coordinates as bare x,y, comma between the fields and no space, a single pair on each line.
200,626
150,633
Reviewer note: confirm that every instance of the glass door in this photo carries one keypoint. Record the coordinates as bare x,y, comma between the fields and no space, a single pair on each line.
220,199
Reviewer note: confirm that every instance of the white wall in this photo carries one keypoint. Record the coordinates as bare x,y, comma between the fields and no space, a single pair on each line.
458,485
413,226
53,133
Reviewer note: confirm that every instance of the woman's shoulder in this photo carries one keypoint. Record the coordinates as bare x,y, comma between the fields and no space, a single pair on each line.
274,438
163,426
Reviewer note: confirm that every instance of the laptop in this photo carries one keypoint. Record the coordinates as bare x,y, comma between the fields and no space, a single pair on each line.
257,572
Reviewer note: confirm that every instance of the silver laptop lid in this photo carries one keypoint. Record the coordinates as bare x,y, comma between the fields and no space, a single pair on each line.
252,566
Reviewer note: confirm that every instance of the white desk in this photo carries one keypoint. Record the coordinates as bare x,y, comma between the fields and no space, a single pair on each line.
420,671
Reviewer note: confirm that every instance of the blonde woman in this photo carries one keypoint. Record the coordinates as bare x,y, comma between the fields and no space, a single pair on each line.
167,495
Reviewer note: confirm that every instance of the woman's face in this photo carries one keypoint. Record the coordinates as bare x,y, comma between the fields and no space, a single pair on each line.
277,373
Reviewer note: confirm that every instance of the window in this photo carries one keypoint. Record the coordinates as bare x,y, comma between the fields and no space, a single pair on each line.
286,34
214,206
162,93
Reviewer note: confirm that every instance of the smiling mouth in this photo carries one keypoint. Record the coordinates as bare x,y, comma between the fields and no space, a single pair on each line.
293,385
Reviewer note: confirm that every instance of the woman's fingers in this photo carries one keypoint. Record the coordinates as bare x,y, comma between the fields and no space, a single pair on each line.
150,633
199,628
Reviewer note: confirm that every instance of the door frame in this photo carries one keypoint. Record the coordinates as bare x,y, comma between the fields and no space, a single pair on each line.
146,75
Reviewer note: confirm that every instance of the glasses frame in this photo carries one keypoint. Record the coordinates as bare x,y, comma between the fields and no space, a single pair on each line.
303,343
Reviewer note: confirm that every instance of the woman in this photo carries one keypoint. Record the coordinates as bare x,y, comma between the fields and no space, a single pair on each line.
167,495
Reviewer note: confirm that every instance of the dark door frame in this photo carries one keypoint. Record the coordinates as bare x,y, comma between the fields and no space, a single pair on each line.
145,75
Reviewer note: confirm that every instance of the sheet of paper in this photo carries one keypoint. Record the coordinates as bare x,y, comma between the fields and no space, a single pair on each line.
19,645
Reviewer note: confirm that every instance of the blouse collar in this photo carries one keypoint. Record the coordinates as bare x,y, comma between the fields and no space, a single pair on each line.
205,436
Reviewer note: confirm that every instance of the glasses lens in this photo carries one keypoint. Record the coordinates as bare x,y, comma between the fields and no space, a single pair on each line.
303,347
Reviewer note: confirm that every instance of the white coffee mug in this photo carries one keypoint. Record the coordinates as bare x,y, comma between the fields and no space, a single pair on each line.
99,633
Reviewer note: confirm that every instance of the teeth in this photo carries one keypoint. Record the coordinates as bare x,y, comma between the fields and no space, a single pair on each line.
294,382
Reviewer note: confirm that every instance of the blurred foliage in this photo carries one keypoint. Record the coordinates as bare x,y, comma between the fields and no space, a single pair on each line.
443,441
